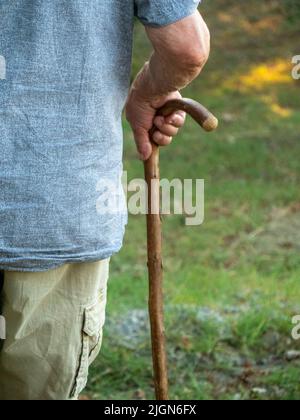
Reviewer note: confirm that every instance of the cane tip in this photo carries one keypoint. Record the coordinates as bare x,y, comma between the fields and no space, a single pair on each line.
211,123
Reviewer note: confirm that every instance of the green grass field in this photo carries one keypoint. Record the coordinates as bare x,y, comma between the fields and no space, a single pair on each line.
232,284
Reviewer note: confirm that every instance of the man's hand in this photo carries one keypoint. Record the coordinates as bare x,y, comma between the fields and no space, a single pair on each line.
180,52
140,113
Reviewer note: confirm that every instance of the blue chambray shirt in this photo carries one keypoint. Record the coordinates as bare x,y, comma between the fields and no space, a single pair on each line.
67,73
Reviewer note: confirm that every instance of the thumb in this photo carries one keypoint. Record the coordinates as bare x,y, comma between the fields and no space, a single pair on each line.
143,143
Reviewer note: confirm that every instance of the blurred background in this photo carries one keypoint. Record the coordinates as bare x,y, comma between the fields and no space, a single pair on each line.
232,284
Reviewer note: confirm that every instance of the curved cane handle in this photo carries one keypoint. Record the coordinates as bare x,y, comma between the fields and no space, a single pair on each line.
197,111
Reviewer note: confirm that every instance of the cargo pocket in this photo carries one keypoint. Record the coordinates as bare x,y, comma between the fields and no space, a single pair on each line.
93,322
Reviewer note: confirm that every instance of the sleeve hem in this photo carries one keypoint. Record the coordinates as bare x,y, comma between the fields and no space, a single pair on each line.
169,20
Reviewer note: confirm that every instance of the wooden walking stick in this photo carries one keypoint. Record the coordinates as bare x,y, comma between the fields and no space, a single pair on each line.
154,238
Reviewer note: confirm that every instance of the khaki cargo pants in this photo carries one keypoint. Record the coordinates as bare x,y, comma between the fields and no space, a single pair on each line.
54,323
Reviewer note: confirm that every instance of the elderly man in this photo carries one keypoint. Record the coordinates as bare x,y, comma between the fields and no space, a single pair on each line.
67,72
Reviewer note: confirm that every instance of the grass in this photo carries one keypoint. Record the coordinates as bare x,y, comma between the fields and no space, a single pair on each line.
242,265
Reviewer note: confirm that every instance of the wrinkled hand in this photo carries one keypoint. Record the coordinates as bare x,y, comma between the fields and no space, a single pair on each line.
141,114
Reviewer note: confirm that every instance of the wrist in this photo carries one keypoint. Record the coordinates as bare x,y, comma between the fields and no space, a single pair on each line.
148,88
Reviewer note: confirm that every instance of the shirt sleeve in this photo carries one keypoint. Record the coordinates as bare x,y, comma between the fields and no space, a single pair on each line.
158,13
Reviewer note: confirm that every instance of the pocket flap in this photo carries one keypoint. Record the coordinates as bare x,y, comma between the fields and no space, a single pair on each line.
94,319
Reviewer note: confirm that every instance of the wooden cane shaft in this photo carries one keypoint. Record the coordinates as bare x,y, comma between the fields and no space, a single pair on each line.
154,238
154,234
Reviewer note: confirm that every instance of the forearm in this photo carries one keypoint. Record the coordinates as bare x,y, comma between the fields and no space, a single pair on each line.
180,52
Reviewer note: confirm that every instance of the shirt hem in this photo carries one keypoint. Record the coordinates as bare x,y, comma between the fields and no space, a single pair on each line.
32,265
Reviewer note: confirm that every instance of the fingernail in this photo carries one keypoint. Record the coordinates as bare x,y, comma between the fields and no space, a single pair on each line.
177,119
